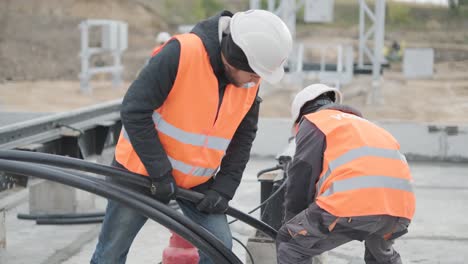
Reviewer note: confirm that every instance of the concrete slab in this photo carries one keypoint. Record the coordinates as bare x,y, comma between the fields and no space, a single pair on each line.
438,234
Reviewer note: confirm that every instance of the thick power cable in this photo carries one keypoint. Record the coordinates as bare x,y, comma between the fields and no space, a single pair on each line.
67,221
147,206
107,190
123,175
275,193
61,216
158,206
150,201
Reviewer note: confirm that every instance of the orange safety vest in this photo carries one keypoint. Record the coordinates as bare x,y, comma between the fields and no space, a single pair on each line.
193,132
363,172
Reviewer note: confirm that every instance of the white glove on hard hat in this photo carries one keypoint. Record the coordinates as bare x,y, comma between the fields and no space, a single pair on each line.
310,93
265,41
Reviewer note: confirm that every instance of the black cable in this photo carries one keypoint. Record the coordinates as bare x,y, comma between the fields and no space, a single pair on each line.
152,202
198,237
273,195
94,186
233,212
69,221
42,216
137,179
246,249
162,208
67,218
126,176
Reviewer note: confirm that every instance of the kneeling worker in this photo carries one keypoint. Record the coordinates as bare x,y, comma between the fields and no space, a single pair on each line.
348,181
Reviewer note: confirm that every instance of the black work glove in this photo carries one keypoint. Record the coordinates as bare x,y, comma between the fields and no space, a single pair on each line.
163,188
213,203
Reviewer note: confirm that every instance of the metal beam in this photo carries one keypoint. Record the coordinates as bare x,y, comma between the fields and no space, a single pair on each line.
52,127
374,56
80,133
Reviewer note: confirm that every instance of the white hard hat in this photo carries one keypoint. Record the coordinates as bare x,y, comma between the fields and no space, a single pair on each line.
163,37
265,41
310,93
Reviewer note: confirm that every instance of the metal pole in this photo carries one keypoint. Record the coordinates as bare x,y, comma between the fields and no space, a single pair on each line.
254,4
339,60
379,27
84,75
117,73
289,16
362,28
271,5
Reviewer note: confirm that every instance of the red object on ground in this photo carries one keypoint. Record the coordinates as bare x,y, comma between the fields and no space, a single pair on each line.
180,251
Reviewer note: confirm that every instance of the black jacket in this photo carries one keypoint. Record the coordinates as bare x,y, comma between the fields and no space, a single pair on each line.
306,166
151,88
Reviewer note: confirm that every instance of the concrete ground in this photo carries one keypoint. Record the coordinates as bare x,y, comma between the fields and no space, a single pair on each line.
438,234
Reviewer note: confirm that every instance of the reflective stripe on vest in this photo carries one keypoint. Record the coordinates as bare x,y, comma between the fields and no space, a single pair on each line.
368,182
212,142
182,166
358,153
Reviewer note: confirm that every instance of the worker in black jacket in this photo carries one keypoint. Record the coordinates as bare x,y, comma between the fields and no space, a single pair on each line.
189,120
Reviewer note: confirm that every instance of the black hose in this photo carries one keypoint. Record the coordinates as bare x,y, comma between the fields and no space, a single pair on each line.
60,216
246,249
153,203
126,176
257,224
283,166
76,216
198,237
273,195
69,221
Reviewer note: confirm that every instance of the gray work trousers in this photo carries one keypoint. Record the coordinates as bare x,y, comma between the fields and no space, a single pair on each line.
314,231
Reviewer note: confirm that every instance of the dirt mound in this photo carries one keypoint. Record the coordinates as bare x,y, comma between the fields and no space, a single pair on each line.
41,40
438,100
55,96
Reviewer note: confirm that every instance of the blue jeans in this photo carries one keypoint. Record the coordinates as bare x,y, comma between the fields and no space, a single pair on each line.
121,225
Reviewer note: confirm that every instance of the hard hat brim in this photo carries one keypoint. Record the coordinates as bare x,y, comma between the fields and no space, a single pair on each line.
271,77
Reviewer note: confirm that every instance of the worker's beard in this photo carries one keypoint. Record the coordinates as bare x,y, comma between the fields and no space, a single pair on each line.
230,76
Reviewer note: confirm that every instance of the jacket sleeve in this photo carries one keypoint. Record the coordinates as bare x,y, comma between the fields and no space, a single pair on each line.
305,169
147,93
237,154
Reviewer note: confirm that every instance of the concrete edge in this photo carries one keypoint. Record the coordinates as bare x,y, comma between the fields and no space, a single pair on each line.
419,142
74,247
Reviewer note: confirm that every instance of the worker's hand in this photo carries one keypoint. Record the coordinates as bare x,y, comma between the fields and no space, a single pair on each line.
213,203
163,188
